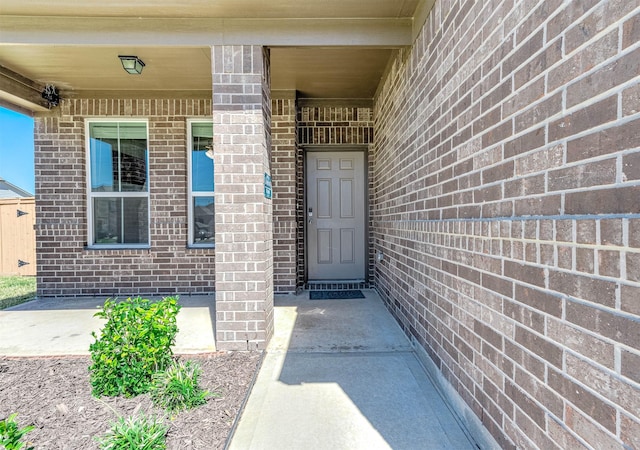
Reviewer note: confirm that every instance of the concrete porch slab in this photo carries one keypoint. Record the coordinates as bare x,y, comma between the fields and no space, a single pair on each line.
355,325
341,374
63,326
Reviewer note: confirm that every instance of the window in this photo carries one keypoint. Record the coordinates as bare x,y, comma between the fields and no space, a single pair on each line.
201,201
118,187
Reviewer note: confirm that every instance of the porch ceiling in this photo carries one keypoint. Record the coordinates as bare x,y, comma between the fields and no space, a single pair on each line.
323,49
316,72
226,9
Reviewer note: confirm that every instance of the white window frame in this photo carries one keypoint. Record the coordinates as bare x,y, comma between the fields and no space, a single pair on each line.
191,193
91,195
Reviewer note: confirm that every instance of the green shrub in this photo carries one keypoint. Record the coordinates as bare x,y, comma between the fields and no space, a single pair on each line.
11,435
135,433
134,343
176,388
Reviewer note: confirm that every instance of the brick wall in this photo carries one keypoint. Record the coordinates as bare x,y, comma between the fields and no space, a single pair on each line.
332,124
65,265
284,168
335,125
292,128
506,202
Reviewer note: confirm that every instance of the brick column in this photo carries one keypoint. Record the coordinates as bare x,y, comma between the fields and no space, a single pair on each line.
244,233
284,164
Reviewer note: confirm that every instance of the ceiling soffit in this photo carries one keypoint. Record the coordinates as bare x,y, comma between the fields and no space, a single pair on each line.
328,49
22,30
223,9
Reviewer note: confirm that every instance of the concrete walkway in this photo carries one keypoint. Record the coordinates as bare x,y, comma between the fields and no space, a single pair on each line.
63,326
340,374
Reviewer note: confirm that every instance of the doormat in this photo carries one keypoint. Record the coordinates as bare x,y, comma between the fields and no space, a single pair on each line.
335,295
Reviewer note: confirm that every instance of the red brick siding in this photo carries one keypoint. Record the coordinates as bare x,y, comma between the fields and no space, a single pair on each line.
506,202
65,266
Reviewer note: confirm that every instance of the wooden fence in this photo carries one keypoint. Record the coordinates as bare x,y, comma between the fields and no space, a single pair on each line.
17,236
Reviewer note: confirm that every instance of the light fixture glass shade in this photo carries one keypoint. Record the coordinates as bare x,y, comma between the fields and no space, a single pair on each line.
209,152
132,64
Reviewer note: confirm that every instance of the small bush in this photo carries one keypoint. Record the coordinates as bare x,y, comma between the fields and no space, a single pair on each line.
176,388
134,343
11,435
135,433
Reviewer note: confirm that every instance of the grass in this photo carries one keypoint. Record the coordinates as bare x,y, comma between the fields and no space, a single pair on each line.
16,289
138,432
176,388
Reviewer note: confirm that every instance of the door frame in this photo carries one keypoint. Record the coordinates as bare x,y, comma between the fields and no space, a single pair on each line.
347,148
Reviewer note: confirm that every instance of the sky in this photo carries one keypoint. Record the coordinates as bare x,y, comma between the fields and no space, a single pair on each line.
16,149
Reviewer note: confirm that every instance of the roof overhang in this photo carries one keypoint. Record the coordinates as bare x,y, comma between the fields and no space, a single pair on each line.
333,48
110,31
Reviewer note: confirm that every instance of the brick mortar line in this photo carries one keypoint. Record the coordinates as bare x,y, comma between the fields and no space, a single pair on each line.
525,284
546,43
586,331
596,393
614,374
561,423
562,113
563,297
611,372
547,95
604,247
548,144
532,264
615,25
395,288
595,99
545,194
515,218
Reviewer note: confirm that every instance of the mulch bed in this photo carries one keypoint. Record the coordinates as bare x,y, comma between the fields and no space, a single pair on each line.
54,395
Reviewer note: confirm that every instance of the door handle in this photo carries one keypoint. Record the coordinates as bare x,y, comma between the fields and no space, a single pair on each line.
310,215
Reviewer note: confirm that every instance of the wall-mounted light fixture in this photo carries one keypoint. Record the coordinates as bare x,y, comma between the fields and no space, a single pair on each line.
209,153
132,64
51,95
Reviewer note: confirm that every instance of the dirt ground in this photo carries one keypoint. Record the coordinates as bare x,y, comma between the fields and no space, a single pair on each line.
54,395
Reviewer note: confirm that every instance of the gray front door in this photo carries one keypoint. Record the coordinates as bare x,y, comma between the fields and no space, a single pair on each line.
336,215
